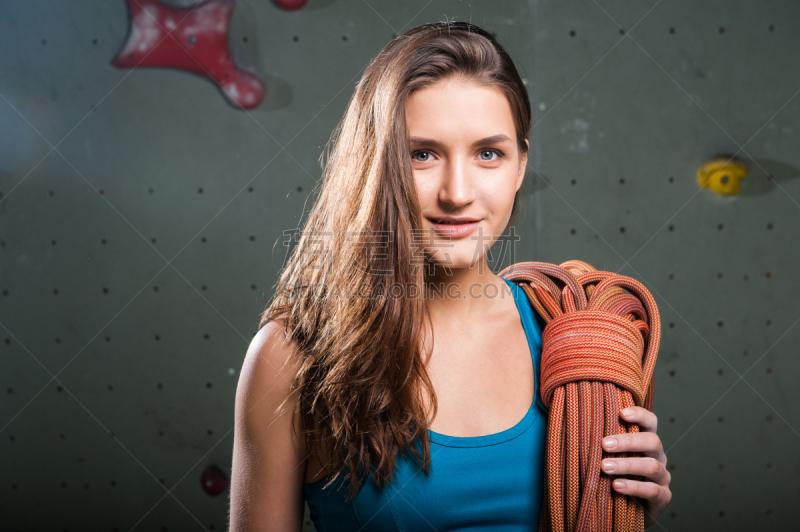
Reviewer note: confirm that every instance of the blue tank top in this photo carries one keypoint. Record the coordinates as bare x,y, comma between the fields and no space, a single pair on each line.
492,482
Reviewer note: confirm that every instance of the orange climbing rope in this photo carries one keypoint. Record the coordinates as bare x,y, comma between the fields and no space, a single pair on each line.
599,351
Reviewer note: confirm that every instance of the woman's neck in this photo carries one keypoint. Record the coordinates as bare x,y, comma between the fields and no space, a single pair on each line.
465,293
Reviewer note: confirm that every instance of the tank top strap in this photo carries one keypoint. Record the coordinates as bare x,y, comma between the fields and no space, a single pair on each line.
533,324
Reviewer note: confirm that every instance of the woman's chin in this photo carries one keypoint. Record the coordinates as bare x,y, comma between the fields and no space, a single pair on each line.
450,264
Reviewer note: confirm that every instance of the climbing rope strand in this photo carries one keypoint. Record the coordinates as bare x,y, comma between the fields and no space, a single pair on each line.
599,350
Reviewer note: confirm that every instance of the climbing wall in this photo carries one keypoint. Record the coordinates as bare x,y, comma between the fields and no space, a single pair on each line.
143,217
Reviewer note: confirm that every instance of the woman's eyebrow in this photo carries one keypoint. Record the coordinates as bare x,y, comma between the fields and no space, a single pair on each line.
494,139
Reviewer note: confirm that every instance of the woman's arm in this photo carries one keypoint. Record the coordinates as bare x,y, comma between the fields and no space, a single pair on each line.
268,459
652,465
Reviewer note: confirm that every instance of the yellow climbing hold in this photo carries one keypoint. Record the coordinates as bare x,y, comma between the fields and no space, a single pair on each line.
722,175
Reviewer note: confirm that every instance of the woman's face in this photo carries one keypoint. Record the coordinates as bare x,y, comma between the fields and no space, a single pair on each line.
467,168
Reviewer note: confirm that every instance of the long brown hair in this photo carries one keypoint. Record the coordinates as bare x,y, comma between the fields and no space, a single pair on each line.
362,371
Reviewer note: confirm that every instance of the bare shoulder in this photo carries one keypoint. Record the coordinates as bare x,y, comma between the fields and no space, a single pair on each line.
268,456
271,353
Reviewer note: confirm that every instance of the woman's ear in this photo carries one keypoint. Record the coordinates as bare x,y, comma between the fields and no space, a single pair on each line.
523,163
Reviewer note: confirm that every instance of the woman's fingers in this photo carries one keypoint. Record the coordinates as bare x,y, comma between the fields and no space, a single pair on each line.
656,497
651,466
647,421
646,467
647,443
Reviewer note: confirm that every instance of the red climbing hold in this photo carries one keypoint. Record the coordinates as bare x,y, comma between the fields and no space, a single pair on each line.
214,480
193,38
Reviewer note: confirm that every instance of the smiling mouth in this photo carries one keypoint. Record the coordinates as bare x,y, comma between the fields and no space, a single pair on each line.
450,222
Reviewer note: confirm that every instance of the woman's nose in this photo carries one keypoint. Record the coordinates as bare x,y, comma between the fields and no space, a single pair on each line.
457,186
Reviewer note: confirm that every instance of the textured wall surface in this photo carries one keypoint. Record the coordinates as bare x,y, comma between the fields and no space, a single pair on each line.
141,221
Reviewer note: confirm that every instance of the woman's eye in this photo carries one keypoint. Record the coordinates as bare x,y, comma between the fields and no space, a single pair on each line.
414,154
484,152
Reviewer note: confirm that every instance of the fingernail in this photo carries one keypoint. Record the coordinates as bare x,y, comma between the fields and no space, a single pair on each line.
619,484
627,412
609,466
610,443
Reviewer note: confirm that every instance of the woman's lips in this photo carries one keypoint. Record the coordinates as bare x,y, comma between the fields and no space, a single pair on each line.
454,230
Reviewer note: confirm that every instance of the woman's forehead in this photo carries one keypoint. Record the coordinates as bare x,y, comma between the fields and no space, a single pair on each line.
462,112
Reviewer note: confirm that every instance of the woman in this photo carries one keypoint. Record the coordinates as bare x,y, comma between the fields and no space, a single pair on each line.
394,383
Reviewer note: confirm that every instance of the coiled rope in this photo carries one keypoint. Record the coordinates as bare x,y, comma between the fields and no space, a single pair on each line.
599,352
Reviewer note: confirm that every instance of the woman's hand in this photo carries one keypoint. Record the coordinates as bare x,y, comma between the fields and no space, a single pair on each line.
652,465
